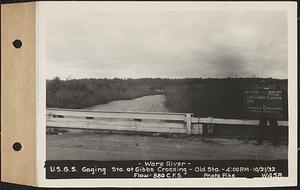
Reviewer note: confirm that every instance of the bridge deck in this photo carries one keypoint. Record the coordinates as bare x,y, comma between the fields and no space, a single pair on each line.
91,146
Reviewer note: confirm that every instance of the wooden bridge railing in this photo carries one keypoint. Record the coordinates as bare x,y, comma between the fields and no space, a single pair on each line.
138,121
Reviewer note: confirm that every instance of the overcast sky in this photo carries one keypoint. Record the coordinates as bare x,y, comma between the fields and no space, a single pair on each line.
169,44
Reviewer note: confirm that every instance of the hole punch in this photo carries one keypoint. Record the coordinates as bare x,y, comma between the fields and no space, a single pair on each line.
17,146
17,43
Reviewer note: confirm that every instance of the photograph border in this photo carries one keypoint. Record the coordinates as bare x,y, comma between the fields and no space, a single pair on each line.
289,7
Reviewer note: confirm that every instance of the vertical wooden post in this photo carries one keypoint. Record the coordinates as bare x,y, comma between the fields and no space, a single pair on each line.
205,129
188,121
210,127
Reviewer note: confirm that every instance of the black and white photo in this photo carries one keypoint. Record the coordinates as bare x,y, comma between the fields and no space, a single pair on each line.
166,87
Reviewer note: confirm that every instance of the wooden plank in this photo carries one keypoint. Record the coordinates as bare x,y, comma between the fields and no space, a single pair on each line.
87,125
161,130
73,124
197,129
188,121
232,121
18,93
107,111
112,122
123,115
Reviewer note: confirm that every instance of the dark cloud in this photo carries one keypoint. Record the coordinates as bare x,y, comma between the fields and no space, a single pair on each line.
165,43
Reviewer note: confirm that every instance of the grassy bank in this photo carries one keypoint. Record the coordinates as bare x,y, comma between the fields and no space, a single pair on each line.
84,93
203,97
221,98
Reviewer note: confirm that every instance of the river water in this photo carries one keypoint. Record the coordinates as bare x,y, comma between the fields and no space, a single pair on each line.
152,103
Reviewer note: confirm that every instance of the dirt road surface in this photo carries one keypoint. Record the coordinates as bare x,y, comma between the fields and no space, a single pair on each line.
104,147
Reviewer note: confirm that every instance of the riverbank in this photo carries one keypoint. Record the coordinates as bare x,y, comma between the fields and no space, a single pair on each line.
152,103
211,97
84,93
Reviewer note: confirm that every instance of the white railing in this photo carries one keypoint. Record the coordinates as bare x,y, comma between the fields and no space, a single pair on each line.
159,122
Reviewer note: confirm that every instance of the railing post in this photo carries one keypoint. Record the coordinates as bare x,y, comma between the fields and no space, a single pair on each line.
210,127
205,125
188,120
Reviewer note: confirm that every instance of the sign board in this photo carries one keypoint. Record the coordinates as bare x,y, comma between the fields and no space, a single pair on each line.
263,103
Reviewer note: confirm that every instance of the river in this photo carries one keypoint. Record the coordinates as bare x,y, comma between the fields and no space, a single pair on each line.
152,103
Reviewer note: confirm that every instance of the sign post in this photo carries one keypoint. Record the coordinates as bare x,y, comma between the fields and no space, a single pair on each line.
266,104
263,103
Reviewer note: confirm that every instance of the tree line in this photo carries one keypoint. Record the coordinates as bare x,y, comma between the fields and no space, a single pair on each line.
204,97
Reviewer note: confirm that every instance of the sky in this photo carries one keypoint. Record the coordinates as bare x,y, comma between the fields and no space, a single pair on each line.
97,43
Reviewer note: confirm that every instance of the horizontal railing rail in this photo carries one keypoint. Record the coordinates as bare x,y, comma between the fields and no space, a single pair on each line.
139,121
232,121
118,115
